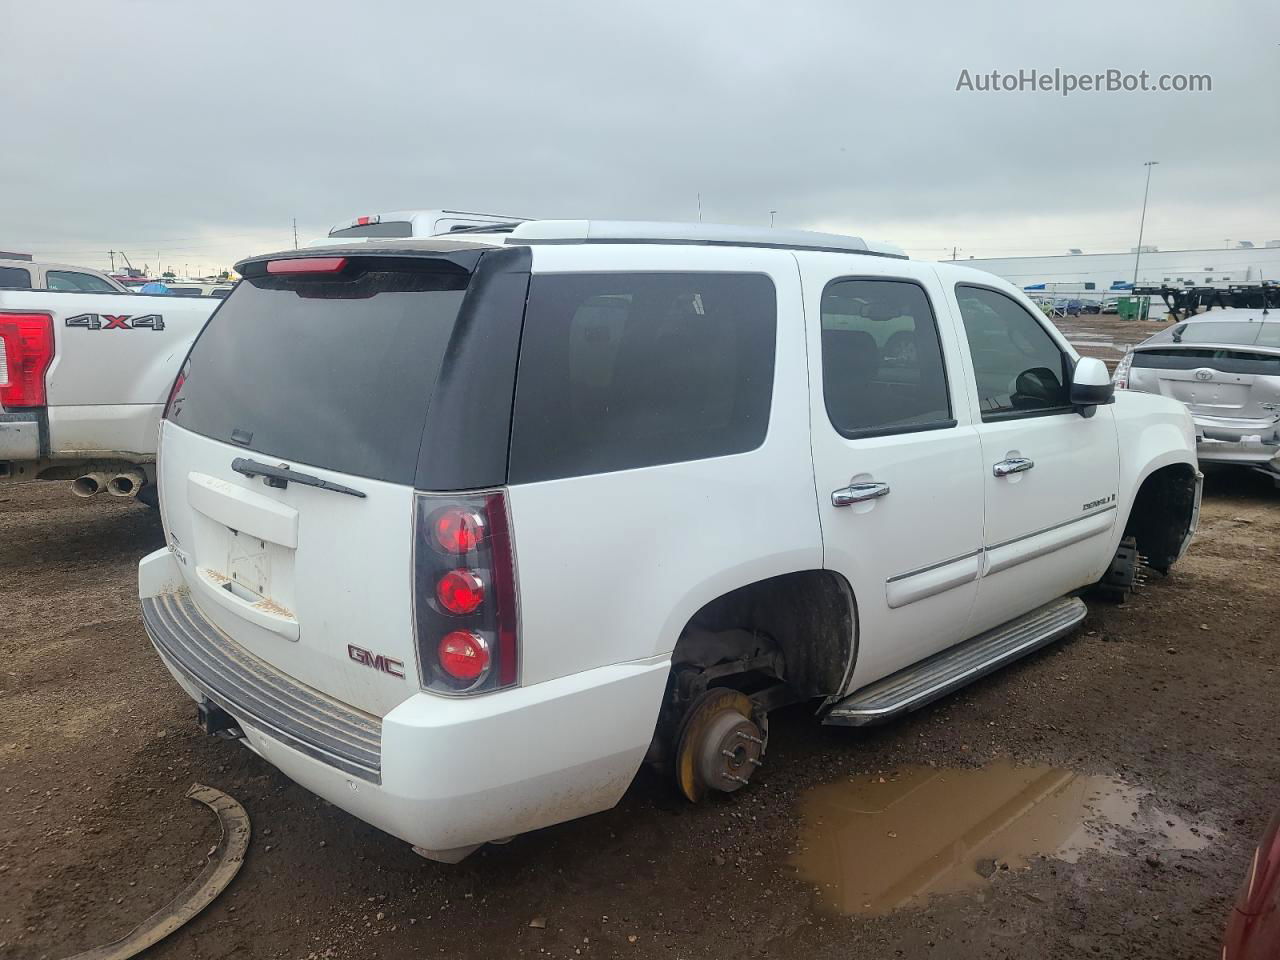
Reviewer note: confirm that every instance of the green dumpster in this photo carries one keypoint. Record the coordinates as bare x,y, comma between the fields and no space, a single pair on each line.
1133,308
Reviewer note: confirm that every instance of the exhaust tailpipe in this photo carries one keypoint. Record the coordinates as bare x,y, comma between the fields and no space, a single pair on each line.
89,484
126,484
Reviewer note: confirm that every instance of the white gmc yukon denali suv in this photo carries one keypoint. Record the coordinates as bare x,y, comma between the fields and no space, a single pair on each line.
462,531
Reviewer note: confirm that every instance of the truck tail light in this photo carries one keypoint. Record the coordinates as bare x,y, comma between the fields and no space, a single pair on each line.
465,602
26,350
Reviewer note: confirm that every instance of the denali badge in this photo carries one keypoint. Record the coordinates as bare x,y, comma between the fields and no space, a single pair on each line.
376,660
1098,503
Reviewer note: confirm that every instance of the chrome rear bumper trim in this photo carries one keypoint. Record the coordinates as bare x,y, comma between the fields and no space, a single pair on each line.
257,694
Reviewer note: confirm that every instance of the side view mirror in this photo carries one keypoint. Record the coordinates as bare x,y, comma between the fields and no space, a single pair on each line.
1090,385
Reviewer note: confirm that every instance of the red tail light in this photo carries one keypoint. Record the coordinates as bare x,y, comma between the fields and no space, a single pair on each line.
26,350
307,265
464,656
458,530
460,591
171,405
465,605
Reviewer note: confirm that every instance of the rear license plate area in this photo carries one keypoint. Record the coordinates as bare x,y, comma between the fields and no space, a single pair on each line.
248,566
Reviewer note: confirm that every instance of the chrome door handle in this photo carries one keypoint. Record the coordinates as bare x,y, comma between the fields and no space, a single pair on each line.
857,493
1012,465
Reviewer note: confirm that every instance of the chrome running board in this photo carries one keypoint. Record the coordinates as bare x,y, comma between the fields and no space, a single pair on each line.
926,681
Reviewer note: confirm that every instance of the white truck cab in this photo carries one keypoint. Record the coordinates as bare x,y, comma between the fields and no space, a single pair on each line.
473,527
19,271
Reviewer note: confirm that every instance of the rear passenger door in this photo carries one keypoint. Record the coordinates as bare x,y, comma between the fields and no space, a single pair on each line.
654,465
1050,474
896,458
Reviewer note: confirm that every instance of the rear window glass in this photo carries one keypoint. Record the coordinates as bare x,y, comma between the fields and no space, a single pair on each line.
626,370
71,280
333,372
387,228
15,278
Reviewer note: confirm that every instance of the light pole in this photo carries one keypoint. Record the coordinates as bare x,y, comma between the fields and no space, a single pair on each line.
771,214
1143,222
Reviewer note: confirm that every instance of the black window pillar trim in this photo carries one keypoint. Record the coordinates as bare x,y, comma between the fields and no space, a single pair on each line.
467,435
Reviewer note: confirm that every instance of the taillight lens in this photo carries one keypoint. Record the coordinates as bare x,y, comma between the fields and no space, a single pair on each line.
460,592
457,529
464,656
26,350
307,265
465,606
172,405
1121,376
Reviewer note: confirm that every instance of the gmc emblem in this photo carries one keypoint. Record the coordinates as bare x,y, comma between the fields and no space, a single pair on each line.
377,661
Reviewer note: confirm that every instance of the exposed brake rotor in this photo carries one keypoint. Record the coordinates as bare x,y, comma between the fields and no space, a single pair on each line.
720,744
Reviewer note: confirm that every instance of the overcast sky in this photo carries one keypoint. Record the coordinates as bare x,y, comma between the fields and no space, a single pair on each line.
198,131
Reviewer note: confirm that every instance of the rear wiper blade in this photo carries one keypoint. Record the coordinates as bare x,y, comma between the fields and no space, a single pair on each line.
281,477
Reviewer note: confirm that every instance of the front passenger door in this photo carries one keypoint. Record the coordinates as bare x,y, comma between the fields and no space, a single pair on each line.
1050,474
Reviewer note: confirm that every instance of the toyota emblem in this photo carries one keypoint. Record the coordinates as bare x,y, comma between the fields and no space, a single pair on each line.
1204,374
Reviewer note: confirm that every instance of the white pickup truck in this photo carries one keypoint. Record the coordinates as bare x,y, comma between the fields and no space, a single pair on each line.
83,380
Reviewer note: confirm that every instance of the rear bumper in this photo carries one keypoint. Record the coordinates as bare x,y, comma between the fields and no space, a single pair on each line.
452,773
1245,452
19,436
1245,441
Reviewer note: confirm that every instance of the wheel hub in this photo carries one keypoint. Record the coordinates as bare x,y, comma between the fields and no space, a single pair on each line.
720,745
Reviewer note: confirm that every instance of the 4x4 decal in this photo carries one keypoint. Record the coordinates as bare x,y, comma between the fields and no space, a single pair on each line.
107,321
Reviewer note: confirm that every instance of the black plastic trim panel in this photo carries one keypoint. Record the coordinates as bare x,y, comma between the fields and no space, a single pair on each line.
468,425
257,694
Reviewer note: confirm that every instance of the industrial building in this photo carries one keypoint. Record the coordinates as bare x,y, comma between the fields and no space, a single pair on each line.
1096,275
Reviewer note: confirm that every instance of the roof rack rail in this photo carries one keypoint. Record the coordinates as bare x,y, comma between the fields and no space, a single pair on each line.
702,234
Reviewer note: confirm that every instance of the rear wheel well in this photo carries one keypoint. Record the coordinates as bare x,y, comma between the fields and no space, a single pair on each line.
780,640
1161,515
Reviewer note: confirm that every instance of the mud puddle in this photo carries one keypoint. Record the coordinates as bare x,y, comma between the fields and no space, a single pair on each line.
878,843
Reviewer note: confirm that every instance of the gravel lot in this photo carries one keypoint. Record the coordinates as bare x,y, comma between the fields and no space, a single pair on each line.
1174,692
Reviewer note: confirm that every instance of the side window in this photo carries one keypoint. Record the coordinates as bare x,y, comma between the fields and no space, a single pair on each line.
15,278
626,370
882,369
72,280
1019,368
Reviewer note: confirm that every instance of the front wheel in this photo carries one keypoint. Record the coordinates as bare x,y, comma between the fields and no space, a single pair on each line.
1127,574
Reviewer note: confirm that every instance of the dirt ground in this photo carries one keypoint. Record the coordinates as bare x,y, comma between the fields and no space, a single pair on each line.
1106,336
1175,692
